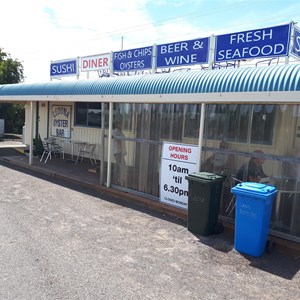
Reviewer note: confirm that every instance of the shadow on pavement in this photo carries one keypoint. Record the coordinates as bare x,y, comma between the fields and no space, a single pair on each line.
222,242
277,264
9,152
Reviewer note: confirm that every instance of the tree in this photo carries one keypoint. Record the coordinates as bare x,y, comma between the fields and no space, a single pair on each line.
11,71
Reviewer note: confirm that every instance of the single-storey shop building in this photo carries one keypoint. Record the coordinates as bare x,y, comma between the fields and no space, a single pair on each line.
230,115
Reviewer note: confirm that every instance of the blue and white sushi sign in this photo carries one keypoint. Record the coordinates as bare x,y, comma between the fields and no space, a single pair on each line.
178,160
61,68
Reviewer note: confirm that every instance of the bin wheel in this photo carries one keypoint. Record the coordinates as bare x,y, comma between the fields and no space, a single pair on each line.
219,228
269,246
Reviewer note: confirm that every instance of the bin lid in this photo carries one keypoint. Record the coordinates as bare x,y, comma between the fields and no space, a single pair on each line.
205,176
254,188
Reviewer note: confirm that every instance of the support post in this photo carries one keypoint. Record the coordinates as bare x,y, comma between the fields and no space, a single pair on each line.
109,144
31,134
201,132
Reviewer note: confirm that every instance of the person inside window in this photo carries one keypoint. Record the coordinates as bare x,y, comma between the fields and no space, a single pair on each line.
252,171
219,161
119,151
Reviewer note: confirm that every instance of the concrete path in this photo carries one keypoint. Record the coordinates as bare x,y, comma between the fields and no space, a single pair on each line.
60,241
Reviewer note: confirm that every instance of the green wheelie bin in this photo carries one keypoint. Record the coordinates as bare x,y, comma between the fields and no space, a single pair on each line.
204,195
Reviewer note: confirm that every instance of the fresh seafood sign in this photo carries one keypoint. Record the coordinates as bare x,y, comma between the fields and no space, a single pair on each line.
265,42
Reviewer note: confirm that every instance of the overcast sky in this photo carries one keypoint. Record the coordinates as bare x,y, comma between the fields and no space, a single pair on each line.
38,31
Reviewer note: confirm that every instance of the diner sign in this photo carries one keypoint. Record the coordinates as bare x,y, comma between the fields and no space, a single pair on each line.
61,121
182,53
296,42
177,161
95,62
134,59
265,42
64,68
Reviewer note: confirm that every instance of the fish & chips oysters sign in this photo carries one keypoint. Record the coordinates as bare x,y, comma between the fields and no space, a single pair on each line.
266,42
134,59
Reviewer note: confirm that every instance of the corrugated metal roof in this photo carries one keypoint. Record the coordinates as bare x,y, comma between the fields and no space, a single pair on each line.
250,79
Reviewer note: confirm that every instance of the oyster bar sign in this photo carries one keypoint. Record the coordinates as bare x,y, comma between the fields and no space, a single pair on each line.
61,121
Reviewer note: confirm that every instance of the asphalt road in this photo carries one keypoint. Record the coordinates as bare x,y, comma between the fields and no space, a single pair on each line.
58,241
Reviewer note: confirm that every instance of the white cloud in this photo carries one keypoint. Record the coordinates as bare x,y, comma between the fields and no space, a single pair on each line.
38,31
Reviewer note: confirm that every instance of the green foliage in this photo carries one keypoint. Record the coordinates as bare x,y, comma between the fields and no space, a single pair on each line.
14,115
38,148
11,71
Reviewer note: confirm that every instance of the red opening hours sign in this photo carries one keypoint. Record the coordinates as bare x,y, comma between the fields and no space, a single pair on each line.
177,161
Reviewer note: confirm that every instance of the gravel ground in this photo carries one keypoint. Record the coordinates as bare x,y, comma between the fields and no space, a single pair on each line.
58,241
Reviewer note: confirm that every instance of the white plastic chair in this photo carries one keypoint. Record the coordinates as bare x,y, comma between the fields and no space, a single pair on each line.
88,150
57,149
47,150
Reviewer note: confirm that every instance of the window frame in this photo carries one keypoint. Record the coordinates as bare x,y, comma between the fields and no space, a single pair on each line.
87,112
219,123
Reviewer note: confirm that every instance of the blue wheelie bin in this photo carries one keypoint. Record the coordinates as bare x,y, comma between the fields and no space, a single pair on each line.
252,216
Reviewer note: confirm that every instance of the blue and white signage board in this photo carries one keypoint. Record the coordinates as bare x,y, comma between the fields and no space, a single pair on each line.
95,62
182,53
67,67
133,60
61,121
177,161
252,44
296,42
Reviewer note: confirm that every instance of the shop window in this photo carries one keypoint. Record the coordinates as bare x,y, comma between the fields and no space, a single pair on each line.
238,120
88,114
192,121
172,121
262,124
241,123
123,112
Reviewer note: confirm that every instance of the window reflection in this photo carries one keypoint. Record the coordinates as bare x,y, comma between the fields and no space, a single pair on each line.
88,114
241,123
94,114
263,124
124,112
192,121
